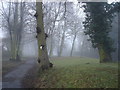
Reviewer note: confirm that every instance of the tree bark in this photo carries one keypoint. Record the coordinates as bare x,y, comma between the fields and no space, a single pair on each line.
104,56
42,48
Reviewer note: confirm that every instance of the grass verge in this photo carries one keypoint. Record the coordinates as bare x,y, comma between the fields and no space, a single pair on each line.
78,73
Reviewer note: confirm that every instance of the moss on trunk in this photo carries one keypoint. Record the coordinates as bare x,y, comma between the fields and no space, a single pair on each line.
42,48
104,55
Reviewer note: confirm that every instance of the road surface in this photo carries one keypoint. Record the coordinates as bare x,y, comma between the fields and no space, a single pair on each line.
13,79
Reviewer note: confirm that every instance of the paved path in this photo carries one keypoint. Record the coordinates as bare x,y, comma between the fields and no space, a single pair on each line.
13,79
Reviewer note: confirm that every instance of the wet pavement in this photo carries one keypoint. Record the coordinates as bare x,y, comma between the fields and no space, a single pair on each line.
13,79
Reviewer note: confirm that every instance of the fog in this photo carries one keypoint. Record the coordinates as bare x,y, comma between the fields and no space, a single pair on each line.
59,36
59,44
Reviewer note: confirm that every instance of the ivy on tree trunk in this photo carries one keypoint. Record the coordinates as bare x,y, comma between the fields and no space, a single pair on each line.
98,25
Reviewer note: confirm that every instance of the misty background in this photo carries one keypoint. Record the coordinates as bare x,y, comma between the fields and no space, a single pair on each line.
70,38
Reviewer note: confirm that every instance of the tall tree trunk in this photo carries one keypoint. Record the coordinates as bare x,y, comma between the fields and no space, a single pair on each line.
51,43
104,56
73,45
63,35
42,48
10,30
14,36
118,35
62,43
19,36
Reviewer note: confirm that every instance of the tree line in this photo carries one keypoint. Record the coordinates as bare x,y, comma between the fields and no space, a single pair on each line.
52,23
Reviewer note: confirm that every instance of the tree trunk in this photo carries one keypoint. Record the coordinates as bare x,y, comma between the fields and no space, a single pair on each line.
51,43
63,35
73,45
118,36
14,36
42,48
51,46
19,35
10,31
104,56
62,43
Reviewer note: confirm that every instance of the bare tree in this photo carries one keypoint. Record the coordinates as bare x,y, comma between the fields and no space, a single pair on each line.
41,37
14,23
63,34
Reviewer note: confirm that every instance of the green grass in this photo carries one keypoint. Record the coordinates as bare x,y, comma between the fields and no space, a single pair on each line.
79,73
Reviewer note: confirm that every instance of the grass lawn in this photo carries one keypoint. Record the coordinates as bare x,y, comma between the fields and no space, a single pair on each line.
78,73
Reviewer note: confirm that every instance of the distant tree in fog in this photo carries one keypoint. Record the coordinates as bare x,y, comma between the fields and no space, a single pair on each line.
75,24
51,14
19,24
13,21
